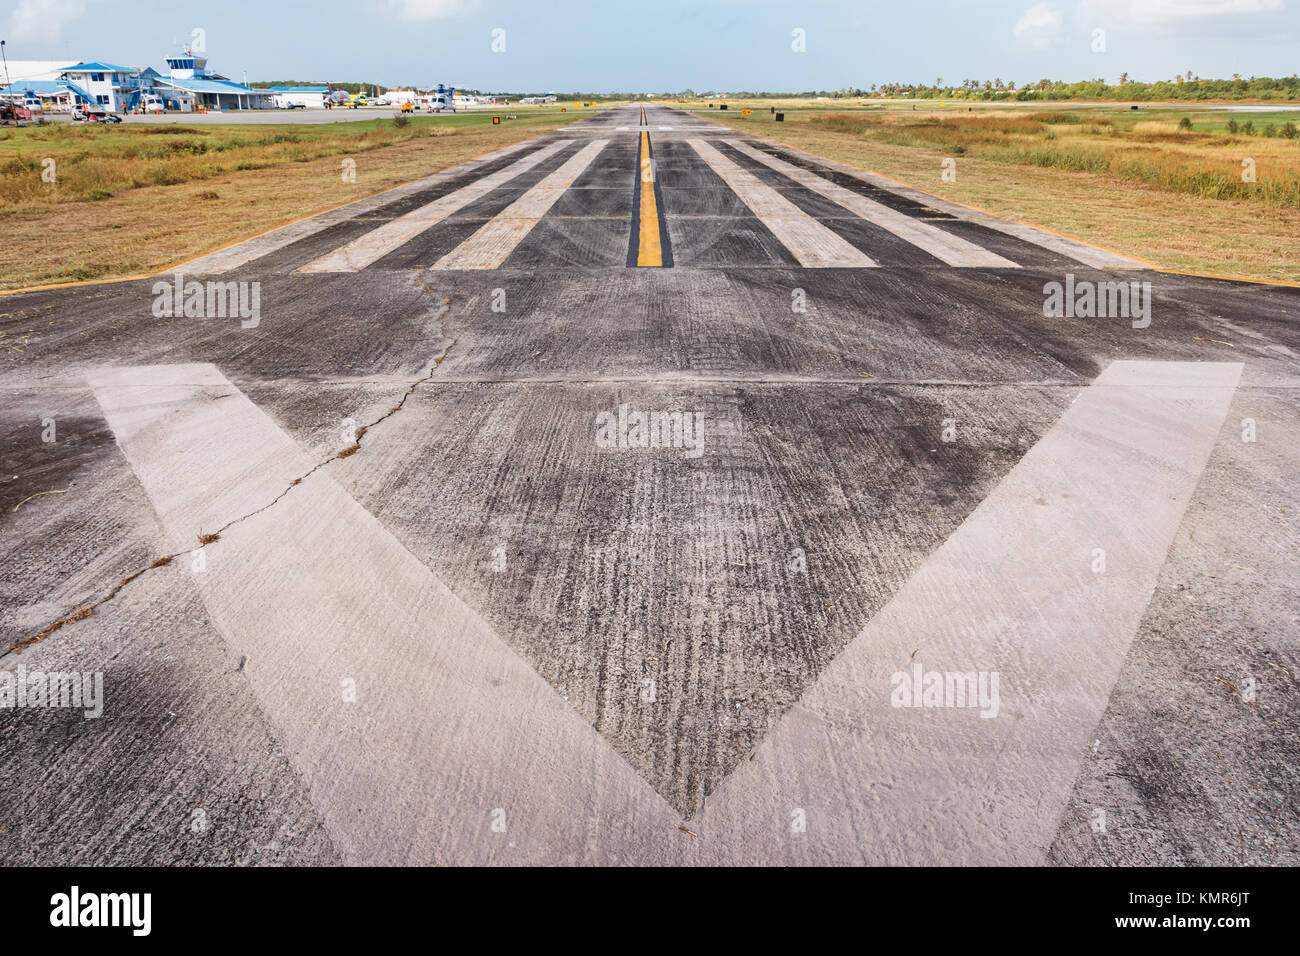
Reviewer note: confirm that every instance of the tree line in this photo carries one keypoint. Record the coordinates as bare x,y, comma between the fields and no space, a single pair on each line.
1187,86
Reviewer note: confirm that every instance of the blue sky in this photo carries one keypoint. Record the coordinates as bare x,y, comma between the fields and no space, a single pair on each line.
706,45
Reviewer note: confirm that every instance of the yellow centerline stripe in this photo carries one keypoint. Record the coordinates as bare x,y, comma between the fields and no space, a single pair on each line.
649,249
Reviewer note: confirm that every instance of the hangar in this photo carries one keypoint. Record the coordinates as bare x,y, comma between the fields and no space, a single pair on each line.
313,97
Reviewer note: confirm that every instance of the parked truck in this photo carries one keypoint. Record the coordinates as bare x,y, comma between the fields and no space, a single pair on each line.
14,114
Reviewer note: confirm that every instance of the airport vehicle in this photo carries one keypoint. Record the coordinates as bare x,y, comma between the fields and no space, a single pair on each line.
443,101
12,114
295,106
90,114
408,107
355,100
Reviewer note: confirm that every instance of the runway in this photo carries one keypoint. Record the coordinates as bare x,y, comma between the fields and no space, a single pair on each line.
585,503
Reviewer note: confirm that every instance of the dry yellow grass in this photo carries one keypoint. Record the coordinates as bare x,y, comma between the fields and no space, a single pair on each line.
1155,126
1181,231
144,229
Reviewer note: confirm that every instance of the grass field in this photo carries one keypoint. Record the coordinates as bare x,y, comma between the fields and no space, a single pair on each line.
137,198
1137,181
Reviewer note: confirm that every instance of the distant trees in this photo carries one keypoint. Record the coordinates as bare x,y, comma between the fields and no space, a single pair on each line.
1181,87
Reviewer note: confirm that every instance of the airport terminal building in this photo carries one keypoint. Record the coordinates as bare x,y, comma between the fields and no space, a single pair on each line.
188,77
187,85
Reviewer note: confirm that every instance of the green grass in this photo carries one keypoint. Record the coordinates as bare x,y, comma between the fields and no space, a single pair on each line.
1174,150
95,162
135,199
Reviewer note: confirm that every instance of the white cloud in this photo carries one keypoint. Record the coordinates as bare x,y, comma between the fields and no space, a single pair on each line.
1040,27
1165,11
432,9
41,21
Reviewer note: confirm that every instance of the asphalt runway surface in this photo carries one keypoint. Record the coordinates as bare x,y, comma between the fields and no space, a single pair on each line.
622,497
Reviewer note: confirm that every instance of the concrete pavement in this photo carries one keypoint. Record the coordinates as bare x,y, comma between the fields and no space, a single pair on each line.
835,375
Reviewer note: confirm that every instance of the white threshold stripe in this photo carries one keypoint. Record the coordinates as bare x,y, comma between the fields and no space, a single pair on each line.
944,246
811,243
379,242
1070,248
1012,591
448,724
492,244
224,260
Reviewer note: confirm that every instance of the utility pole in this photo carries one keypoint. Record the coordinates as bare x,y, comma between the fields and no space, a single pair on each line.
4,57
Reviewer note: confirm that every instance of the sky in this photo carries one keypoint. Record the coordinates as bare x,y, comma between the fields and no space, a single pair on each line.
670,45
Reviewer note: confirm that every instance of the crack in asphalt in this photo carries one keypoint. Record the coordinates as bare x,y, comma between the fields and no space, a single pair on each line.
205,539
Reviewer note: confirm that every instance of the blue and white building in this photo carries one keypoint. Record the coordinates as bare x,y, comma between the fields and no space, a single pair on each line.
188,78
102,84
187,85
41,95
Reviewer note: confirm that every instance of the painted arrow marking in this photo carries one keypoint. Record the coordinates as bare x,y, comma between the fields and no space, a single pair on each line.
449,726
